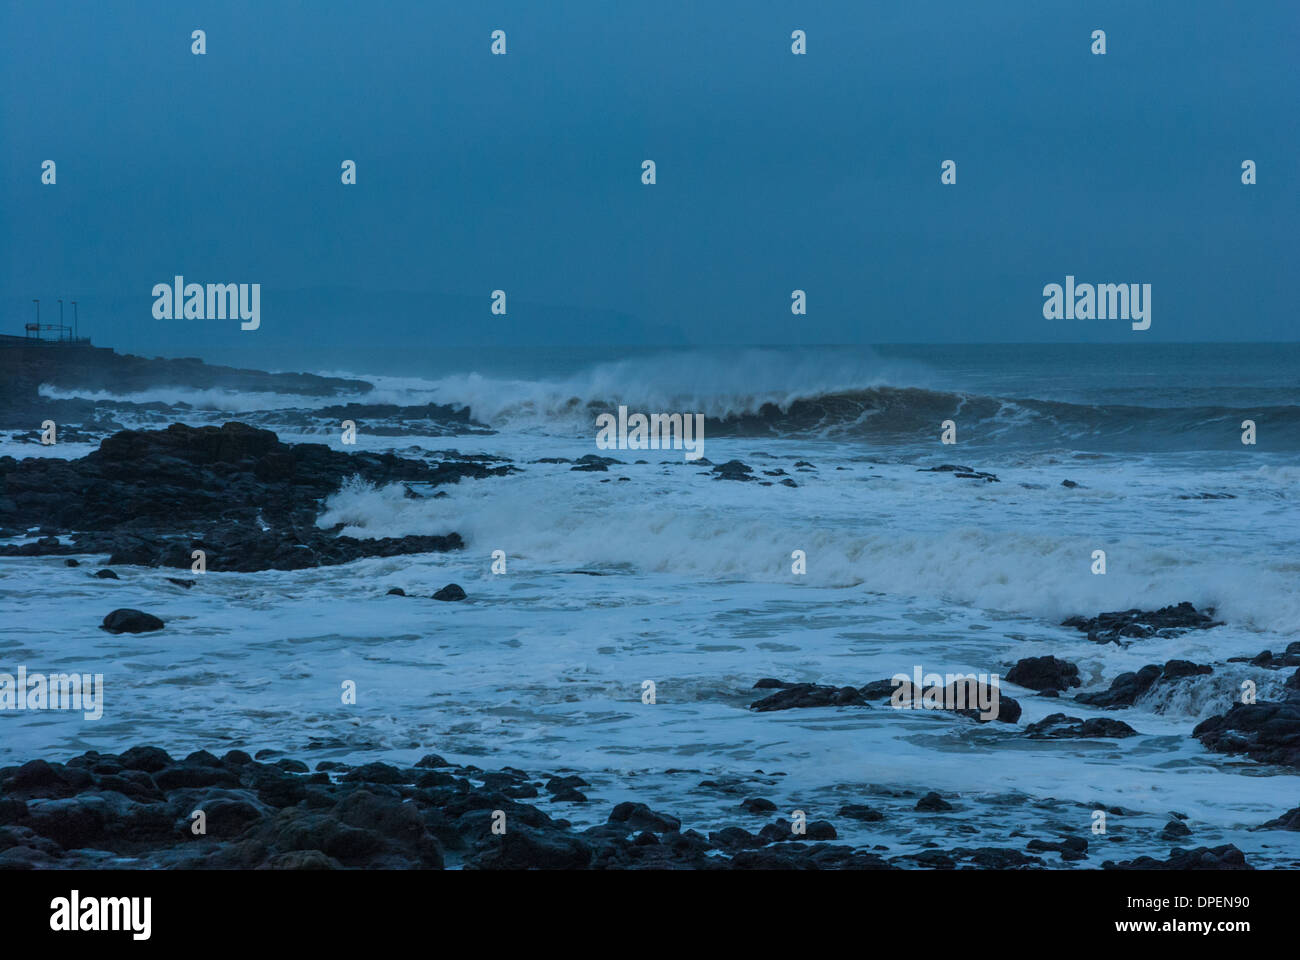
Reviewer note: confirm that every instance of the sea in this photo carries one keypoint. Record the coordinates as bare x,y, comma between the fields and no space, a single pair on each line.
628,613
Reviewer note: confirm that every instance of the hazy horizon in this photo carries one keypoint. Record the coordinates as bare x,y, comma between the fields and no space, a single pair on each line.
522,172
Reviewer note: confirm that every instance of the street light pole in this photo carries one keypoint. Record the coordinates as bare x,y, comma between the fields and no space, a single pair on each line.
61,333
38,316
74,319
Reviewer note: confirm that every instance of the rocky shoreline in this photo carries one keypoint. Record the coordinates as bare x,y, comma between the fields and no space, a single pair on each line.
251,499
145,809
251,502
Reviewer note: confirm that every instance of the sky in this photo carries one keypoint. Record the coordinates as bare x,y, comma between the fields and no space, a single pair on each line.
774,172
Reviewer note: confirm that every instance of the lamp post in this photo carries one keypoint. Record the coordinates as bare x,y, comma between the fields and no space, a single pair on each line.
74,319
61,333
38,316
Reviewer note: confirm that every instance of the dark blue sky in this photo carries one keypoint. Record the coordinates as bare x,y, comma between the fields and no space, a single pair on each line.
775,172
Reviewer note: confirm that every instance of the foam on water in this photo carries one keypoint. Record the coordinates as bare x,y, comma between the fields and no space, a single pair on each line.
542,668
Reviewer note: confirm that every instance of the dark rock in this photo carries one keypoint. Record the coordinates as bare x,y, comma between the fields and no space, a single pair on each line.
107,574
254,498
966,473
933,803
451,591
1128,687
1117,626
733,470
801,695
1070,848
378,773
1267,732
860,811
1288,821
968,690
734,838
1226,857
1058,726
1273,661
637,816
559,784
995,858
820,830
527,848
193,775
130,621
148,759
1044,673
568,795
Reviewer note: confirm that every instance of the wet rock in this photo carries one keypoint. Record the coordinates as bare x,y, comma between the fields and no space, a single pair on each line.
527,848
1288,821
396,592
1226,857
637,816
1070,848
560,784
965,473
1044,673
733,470
933,803
1273,661
379,773
107,574
995,858
963,696
451,591
1125,689
1121,625
193,775
569,796
1264,731
820,830
254,499
1058,726
71,822
861,811
802,695
734,838
594,464
131,621
148,759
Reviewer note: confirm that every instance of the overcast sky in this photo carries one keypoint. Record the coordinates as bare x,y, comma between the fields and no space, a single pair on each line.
775,172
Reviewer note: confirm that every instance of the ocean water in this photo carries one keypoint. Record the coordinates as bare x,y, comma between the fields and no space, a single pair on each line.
657,571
